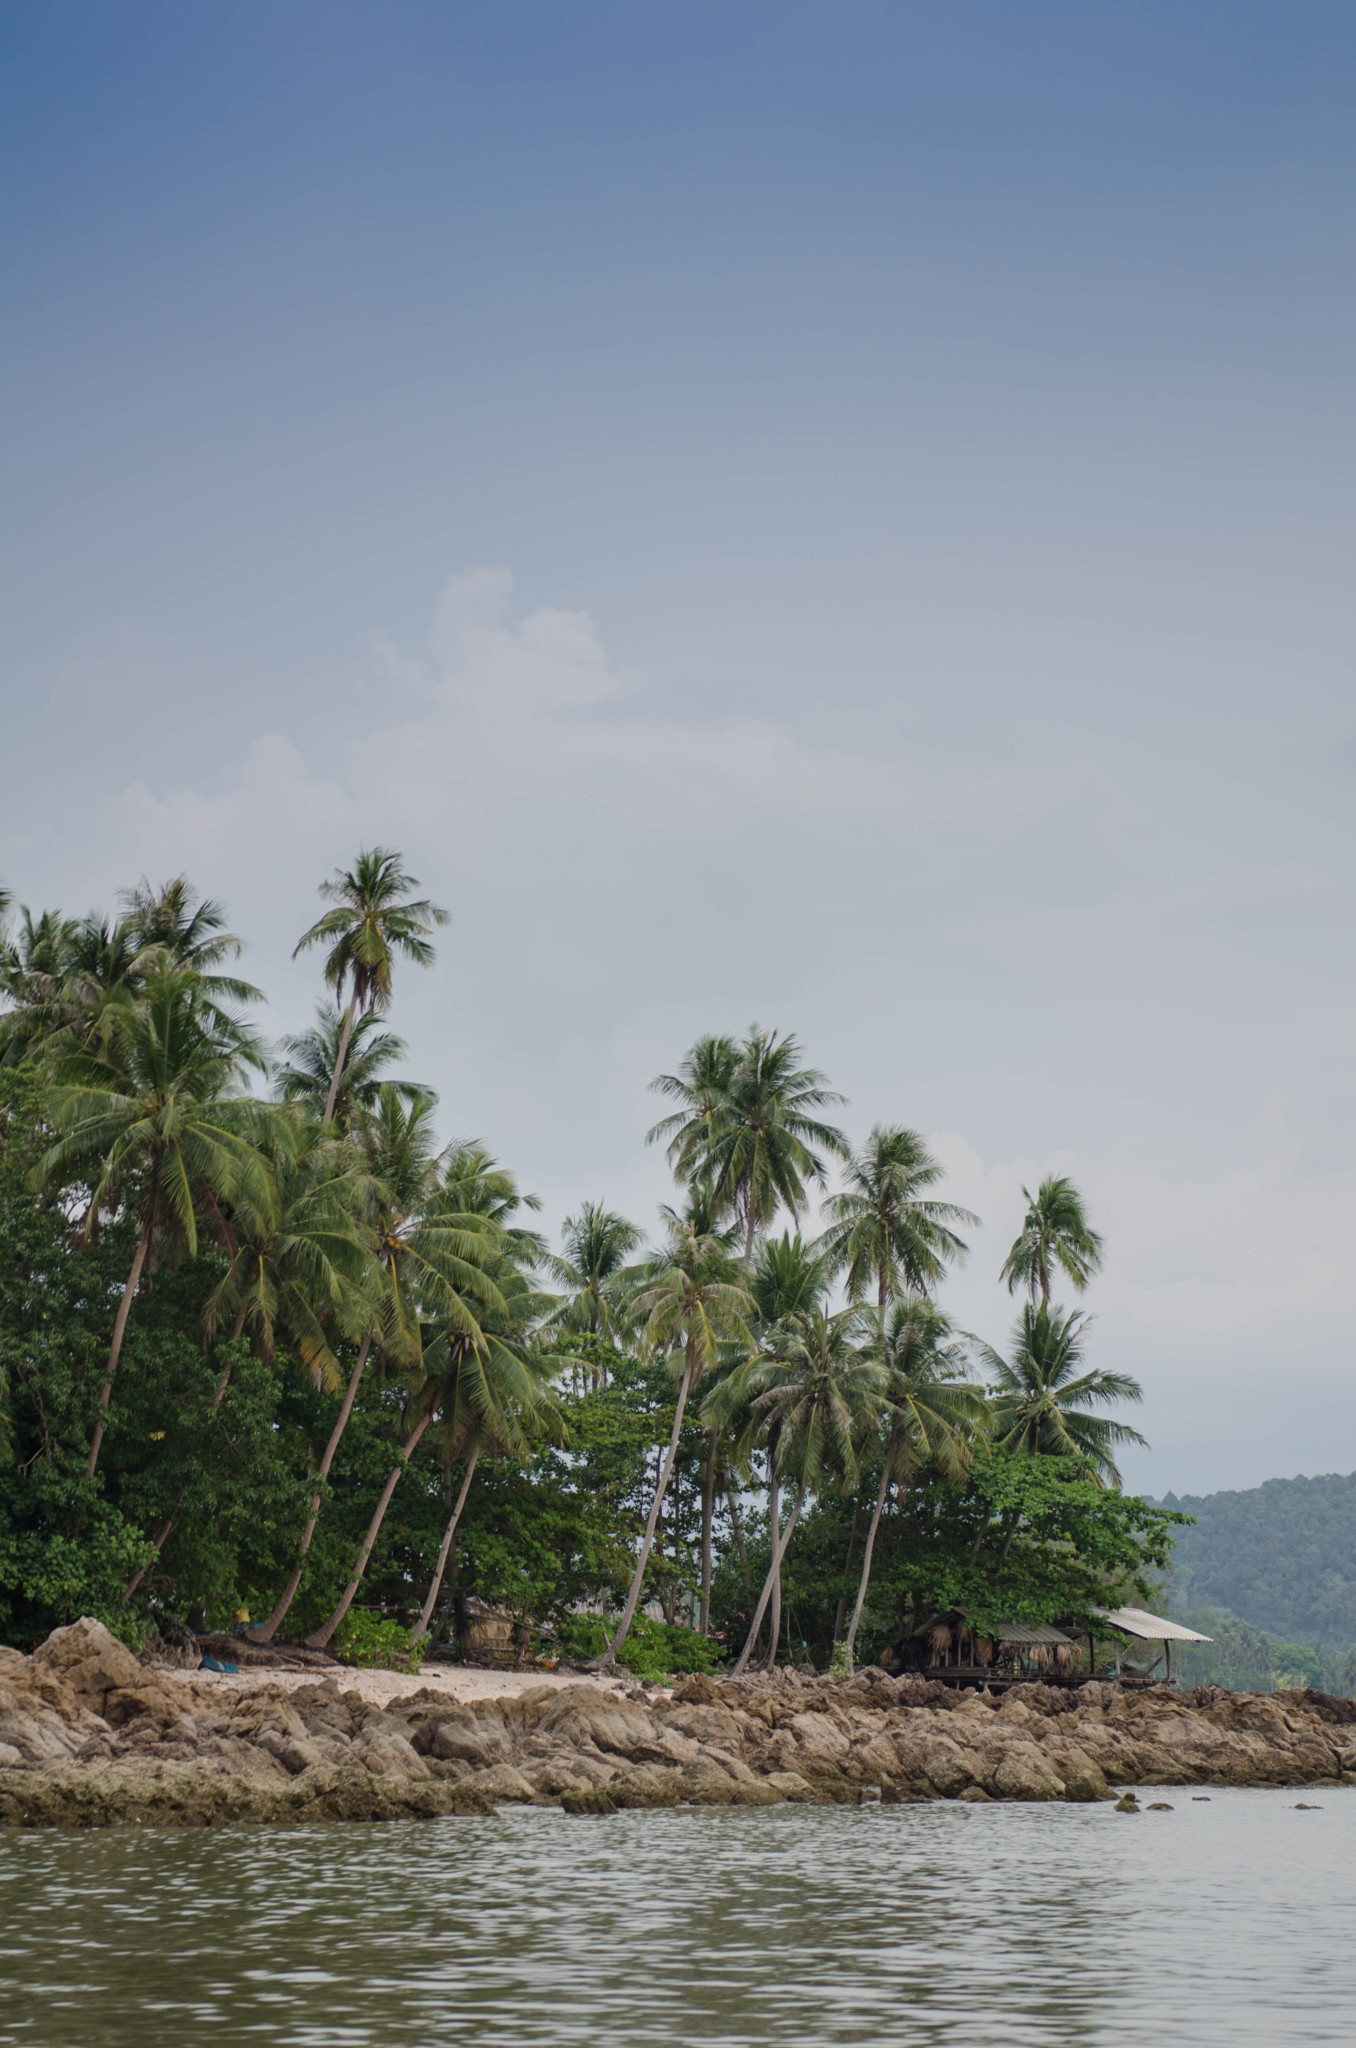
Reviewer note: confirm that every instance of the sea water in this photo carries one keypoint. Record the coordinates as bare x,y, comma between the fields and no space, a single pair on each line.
1228,1920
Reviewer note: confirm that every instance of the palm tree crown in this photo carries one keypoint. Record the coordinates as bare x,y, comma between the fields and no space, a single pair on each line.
1055,1232
305,1075
1042,1402
372,920
594,1273
884,1228
747,1126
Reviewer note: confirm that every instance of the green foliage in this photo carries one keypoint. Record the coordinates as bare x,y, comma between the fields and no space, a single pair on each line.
1247,1659
1282,1556
1016,1539
377,1642
653,1649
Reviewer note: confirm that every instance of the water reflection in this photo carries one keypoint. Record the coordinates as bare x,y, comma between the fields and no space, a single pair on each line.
1223,1923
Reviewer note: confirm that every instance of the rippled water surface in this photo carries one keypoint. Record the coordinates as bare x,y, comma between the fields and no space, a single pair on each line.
1223,1921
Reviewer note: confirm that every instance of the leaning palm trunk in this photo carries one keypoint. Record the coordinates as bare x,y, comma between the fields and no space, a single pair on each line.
774,1514
741,1548
773,1578
850,1639
340,1058
321,1636
708,1511
159,1540
224,1378
609,1656
444,1552
119,1332
266,1629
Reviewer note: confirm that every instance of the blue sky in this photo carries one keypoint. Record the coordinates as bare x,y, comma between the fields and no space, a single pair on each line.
839,515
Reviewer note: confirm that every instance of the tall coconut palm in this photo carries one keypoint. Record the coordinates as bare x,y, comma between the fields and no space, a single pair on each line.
931,1413
434,1270
689,1305
820,1389
305,1076
439,1248
373,919
700,1087
751,1143
1055,1232
1043,1402
152,1119
886,1232
789,1279
592,1270
500,1397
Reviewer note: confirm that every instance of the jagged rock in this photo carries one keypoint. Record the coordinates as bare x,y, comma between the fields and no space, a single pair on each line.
89,1735
89,1661
1026,1775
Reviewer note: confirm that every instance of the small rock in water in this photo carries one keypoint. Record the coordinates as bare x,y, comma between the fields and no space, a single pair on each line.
1159,1806
1127,1803
1200,1798
1300,1807
595,1800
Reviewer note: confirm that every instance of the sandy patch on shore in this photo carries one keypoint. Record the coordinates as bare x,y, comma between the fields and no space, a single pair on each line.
459,1682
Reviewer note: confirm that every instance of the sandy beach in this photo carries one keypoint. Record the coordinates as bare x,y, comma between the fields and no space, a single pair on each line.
459,1682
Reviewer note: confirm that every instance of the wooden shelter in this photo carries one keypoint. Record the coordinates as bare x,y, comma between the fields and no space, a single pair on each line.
1150,1628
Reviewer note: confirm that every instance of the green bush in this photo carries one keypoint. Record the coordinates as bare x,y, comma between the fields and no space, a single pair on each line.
374,1643
653,1649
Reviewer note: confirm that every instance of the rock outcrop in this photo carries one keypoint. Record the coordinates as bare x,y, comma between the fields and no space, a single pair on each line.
90,1736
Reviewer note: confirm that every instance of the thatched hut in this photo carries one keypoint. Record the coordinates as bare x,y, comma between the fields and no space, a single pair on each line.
953,1648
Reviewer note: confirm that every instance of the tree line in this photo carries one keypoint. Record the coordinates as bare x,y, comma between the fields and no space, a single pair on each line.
269,1343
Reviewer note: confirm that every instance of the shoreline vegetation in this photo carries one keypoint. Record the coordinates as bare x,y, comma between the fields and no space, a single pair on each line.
278,1356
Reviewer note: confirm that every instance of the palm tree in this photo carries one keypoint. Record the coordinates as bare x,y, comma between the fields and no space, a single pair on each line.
175,927
790,1280
818,1389
372,920
885,1229
439,1247
151,1119
747,1131
700,1087
1041,1401
307,1074
32,960
593,1271
64,976
500,1397
931,1412
689,1304
1055,1232
296,1248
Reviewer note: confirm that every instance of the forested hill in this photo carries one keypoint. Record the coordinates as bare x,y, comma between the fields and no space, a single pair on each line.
1281,1555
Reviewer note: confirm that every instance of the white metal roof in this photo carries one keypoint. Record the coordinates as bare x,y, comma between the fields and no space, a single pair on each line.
1134,1621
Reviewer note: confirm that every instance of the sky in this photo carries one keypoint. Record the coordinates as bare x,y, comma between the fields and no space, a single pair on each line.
838,516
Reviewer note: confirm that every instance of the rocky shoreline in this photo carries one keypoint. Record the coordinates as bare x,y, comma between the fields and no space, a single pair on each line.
91,1737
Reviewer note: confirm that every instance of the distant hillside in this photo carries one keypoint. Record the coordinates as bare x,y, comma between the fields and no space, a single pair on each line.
1281,1556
